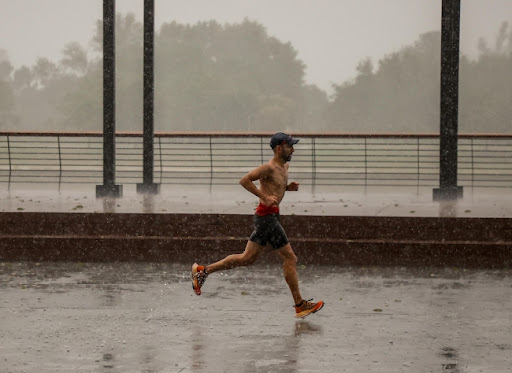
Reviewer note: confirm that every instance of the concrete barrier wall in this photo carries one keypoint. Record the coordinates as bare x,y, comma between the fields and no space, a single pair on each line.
340,240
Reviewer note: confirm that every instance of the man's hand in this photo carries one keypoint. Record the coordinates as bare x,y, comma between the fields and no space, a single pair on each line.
270,200
293,186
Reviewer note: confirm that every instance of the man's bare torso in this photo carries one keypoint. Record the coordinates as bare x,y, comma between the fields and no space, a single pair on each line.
274,181
273,178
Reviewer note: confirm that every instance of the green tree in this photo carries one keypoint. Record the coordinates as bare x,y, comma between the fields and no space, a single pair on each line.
8,117
23,79
74,58
222,78
314,109
208,77
485,93
400,96
403,94
82,106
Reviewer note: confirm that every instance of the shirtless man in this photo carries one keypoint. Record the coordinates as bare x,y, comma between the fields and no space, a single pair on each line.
273,178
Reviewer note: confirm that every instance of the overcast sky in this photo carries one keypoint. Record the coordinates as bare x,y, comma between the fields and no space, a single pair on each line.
331,36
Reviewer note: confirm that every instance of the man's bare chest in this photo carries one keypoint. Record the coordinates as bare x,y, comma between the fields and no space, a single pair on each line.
278,179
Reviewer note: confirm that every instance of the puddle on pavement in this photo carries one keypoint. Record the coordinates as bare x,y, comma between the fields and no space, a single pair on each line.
304,327
111,295
66,273
277,352
450,367
449,352
451,285
108,361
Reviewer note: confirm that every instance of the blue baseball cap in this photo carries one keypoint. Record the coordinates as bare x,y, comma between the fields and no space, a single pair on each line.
281,138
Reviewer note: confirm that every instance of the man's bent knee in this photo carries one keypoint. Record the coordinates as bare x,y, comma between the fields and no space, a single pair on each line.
247,259
286,253
251,253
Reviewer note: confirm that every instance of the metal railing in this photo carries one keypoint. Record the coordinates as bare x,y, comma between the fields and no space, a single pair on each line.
484,160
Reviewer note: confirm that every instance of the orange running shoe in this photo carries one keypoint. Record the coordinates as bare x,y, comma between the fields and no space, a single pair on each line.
306,307
198,277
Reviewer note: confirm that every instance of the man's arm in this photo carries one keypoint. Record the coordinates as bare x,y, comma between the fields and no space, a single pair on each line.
248,183
292,187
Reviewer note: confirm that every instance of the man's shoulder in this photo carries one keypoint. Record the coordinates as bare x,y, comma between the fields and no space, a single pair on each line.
266,166
263,170
275,166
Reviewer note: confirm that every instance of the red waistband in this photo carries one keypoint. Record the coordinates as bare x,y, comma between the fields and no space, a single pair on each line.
262,209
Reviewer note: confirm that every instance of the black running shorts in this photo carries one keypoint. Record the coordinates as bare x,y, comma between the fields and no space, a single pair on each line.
268,231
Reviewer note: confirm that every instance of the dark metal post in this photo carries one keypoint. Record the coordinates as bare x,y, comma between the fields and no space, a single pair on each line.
10,161
148,127
109,109
450,36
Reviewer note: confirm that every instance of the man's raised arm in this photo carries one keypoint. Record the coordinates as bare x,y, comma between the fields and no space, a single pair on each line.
248,183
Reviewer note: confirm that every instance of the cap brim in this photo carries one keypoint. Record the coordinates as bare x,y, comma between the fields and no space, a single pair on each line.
293,142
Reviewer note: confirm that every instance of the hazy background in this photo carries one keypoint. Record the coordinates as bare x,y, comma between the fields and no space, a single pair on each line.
333,65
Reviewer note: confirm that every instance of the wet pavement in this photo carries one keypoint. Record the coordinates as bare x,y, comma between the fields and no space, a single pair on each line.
144,317
339,200
127,317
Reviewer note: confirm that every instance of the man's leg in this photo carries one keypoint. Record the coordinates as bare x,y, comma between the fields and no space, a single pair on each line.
199,273
303,308
251,253
290,271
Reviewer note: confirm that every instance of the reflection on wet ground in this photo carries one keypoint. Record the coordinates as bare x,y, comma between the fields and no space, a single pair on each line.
233,199
448,209
109,205
144,317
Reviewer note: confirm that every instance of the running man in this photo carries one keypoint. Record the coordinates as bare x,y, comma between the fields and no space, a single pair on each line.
273,179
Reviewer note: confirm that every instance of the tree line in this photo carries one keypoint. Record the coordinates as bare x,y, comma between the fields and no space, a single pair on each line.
235,77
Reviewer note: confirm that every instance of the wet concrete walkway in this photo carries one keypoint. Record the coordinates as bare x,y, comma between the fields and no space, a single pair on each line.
233,199
144,317
76,317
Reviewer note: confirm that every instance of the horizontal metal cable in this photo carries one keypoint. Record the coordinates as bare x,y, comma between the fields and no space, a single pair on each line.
215,158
